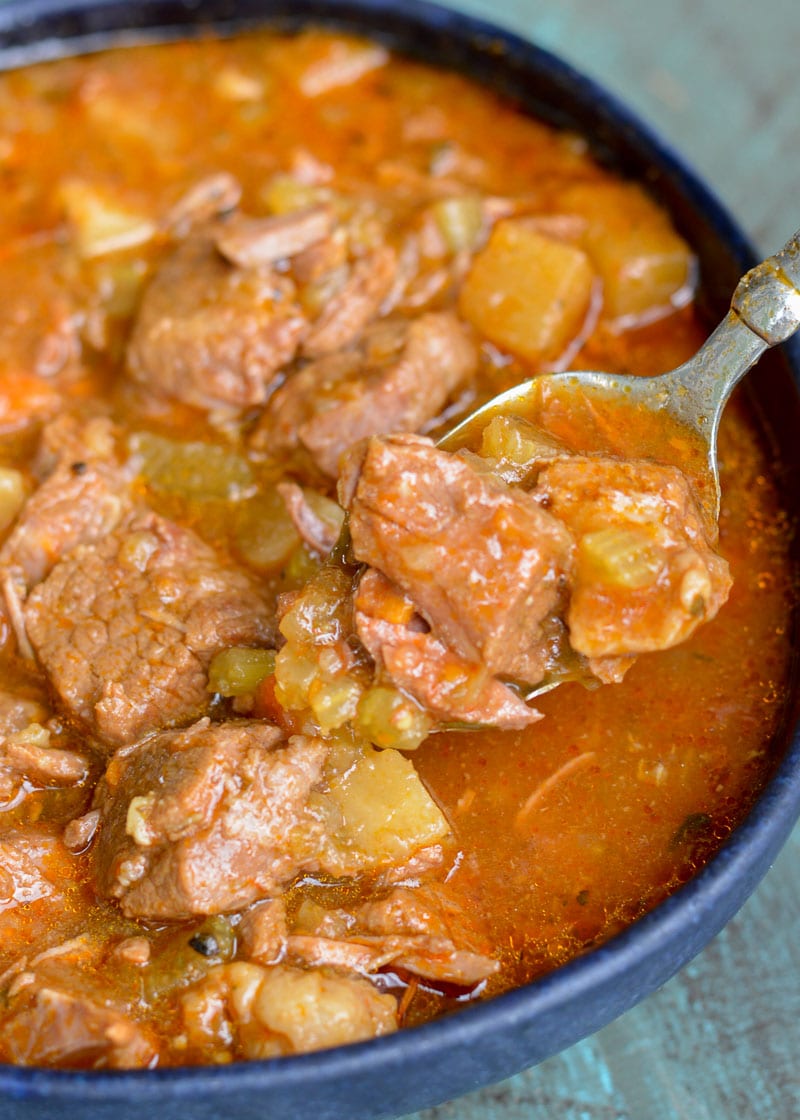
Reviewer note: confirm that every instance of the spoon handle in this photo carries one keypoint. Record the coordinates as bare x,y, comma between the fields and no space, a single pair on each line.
765,310
767,298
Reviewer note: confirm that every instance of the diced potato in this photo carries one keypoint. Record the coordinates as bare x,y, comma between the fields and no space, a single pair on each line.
620,557
239,671
460,220
646,268
12,496
120,117
527,293
385,811
193,470
100,222
300,1010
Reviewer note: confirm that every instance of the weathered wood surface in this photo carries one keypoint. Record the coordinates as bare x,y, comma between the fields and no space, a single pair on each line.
720,80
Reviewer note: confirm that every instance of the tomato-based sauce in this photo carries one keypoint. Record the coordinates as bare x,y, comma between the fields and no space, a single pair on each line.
222,263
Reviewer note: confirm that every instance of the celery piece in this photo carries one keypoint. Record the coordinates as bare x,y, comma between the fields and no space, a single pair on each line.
620,557
515,440
265,535
460,221
388,718
193,470
239,671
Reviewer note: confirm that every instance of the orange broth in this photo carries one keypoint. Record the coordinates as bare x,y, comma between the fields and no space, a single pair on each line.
565,832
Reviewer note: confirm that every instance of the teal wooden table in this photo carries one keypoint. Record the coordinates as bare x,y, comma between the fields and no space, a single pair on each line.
720,80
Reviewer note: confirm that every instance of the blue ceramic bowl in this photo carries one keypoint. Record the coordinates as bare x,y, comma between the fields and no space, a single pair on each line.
421,1067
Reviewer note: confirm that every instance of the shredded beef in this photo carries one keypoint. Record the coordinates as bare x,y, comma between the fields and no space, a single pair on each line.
255,242
207,199
420,930
397,379
57,1011
26,867
353,307
450,686
319,534
54,1027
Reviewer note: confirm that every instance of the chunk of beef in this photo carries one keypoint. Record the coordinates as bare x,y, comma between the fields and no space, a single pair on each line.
205,200
212,335
262,932
207,819
267,1012
29,867
79,833
483,563
28,754
40,891
419,929
72,439
355,305
126,628
57,1028
83,498
412,872
57,1012
645,574
446,684
399,378
27,758
18,712
255,242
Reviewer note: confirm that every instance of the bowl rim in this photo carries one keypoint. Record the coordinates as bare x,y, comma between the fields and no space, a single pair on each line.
742,858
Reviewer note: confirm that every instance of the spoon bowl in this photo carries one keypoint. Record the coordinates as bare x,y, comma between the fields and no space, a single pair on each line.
677,413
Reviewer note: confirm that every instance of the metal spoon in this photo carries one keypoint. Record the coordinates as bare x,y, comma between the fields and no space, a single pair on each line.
765,310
